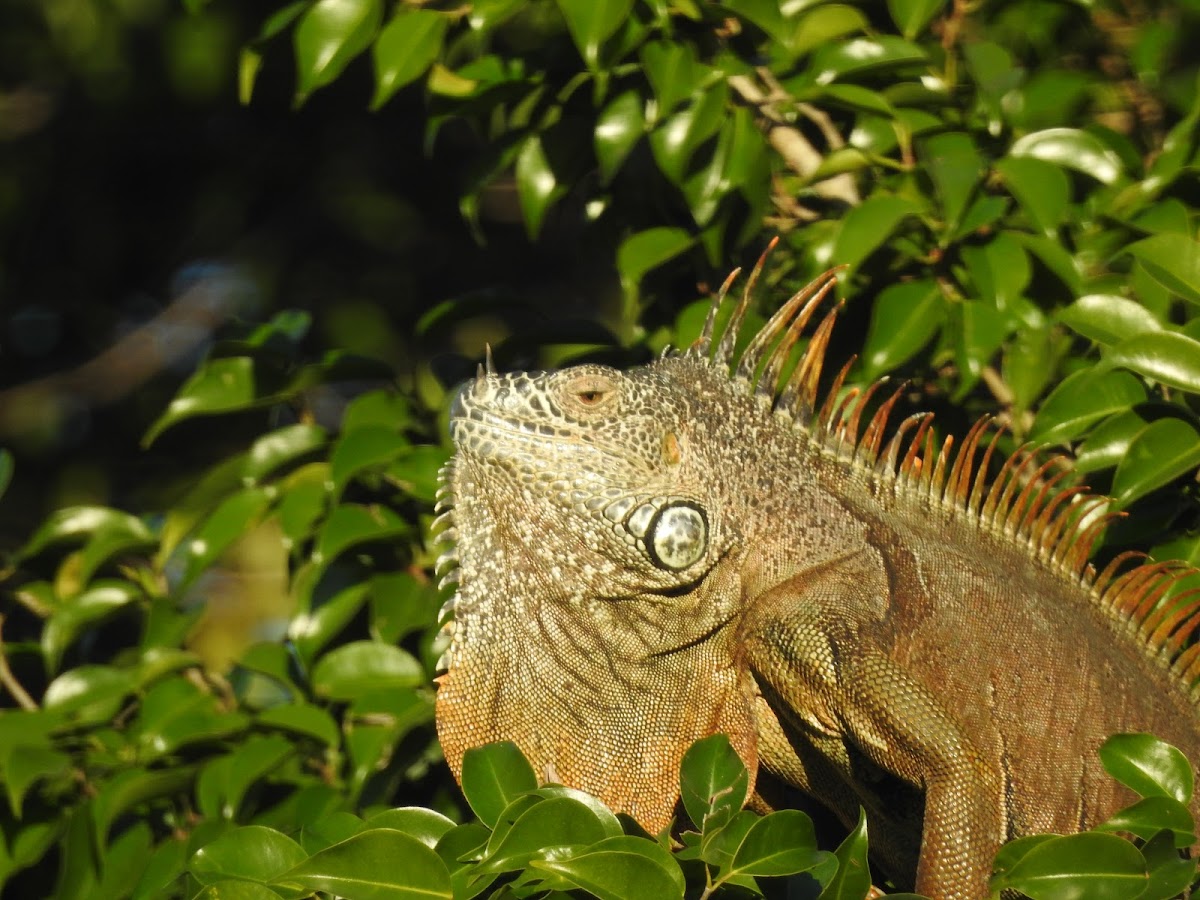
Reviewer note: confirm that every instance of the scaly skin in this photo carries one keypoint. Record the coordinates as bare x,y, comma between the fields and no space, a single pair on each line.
648,557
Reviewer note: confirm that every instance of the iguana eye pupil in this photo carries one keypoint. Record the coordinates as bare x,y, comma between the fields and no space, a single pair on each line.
590,397
677,536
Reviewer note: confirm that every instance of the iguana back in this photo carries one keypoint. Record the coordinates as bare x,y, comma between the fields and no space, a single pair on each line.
698,545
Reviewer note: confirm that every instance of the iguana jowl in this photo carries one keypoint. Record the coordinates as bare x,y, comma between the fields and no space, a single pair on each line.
697,546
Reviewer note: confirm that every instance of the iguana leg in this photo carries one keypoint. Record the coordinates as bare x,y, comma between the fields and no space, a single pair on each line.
808,645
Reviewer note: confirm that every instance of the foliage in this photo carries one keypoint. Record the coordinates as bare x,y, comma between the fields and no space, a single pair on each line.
221,689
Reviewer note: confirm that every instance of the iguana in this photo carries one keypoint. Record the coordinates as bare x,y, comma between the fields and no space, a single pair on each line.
698,545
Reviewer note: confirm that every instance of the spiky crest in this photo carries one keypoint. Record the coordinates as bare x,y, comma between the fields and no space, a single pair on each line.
1023,503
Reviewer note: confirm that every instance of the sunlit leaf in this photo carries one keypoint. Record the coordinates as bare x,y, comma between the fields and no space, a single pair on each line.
619,868
378,864
619,127
905,318
329,34
1108,318
713,781
1173,260
592,22
493,776
405,49
1164,451
347,671
1071,148
1096,866
1149,766
1081,400
1166,357
251,853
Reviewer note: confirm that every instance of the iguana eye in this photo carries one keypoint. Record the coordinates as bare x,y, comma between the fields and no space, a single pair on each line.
591,398
677,536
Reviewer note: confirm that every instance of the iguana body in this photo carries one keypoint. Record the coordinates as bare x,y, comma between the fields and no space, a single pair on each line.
645,558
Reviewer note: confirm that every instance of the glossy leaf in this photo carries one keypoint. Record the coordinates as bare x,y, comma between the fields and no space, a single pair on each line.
537,185
379,864
1040,187
250,853
1107,318
1081,400
1148,766
88,694
367,447
329,34
556,822
713,781
280,447
73,523
350,524
1173,260
26,764
1165,450
406,48
864,54
619,868
233,889
646,250
905,319
425,825
1071,148
676,139
911,16
1097,866
347,671
1163,356
674,74
820,25
493,776
782,843
619,127
955,166
1170,874
853,877
220,385
1108,442
75,615
867,226
1151,815
592,22
302,718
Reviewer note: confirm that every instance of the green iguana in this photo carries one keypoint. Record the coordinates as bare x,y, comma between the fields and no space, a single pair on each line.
647,557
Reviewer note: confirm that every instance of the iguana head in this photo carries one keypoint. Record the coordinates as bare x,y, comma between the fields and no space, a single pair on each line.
601,522
593,611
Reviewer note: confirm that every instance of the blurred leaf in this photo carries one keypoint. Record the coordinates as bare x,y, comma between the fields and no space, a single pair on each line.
713,781
250,853
1029,363
1173,260
1108,442
677,137
75,522
868,225
1055,258
88,694
350,523
1081,400
236,515
6,470
1040,187
619,868
493,776
1096,866
302,718
820,25
858,55
415,471
1107,318
955,166
619,127
366,447
76,614
537,186
132,787
378,864
347,671
1163,356
26,764
330,34
1148,766
1170,874
905,318
674,74
219,385
405,49
279,447
1072,149
641,252
983,330
592,22
911,16
1164,451
1000,270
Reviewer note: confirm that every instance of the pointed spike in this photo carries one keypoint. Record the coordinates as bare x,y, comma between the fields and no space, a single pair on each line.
1175,642
1159,627
1045,492
725,348
805,301
852,424
799,396
993,505
441,521
1019,511
451,577
1188,667
1080,544
909,465
1107,583
926,463
964,463
974,504
1054,518
489,363
445,559
938,480
703,344
873,437
827,418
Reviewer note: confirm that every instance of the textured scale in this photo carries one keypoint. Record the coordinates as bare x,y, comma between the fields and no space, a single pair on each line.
707,544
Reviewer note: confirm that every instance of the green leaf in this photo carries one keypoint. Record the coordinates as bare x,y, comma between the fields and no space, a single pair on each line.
1029,363
1108,442
237,514
493,776
619,127
981,333
905,318
1040,187
868,225
73,523
425,825
328,36
6,470
646,250
1055,258
133,788
819,26
592,22
75,615
1170,874
955,166
853,878
673,72
350,524
366,447
713,781
89,694
407,46
864,54
620,868
1000,270
911,16
1148,766
1163,356
302,718
220,385
537,185
1081,400
1173,260
379,864
25,765
279,447
1149,816
676,139
1071,148
1096,866
250,853
1165,450
782,843
231,889
351,669
1107,318
542,830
